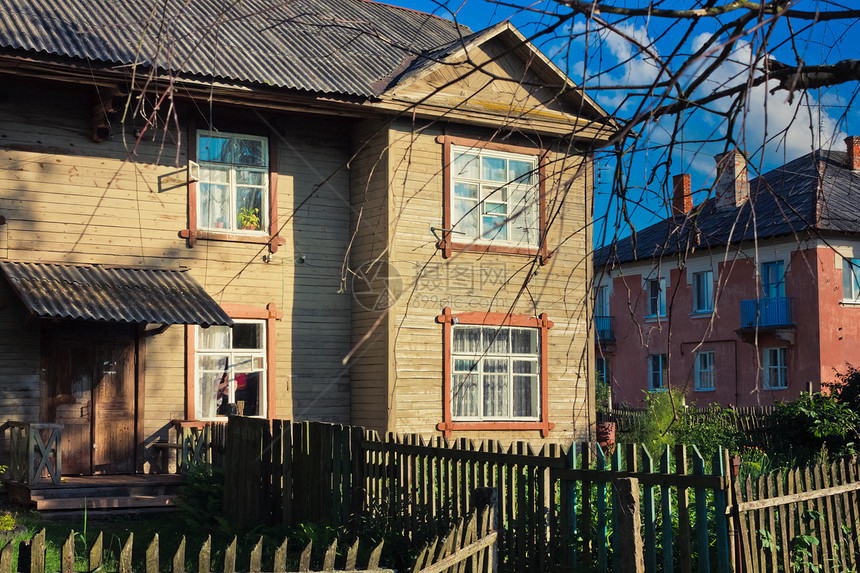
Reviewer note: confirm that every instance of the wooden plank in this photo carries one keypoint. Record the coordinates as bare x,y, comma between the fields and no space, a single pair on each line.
666,511
601,539
771,523
585,529
725,556
702,546
125,557
683,497
179,557
328,558
649,513
801,496
6,558
230,557
255,561
151,563
812,525
204,556
842,513
822,507
784,539
96,553
280,561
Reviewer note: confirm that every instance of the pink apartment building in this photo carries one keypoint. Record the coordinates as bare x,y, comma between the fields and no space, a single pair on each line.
748,298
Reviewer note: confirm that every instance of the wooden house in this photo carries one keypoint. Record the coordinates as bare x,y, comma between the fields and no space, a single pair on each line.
316,210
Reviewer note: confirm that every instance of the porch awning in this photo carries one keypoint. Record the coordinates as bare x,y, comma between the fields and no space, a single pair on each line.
118,294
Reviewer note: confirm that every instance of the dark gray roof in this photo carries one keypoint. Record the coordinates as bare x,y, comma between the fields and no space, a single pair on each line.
816,193
93,292
347,47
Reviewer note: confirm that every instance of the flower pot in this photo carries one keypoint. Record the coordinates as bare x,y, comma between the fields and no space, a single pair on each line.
606,435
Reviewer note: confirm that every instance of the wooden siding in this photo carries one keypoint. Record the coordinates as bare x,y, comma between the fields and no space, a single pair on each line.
559,289
371,365
67,199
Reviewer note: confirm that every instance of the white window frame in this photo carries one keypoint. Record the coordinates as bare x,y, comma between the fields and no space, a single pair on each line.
232,353
479,360
775,364
851,280
494,196
705,371
658,366
703,291
660,300
231,226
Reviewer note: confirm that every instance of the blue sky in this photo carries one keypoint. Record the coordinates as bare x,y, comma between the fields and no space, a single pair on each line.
773,131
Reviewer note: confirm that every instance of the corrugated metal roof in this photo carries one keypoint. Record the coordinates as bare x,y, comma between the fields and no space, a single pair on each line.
813,193
93,292
350,47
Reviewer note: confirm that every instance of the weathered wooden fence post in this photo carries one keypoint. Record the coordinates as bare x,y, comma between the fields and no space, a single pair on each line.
629,526
488,497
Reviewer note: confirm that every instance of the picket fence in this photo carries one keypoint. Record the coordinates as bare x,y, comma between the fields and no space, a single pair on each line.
470,542
558,508
555,507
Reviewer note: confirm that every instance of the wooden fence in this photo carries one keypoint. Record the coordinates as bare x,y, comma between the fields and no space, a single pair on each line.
470,542
555,507
800,520
753,422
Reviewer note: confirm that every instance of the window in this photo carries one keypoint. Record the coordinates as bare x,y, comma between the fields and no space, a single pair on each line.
233,191
494,373
775,368
601,301
493,198
703,291
658,371
231,370
705,370
851,280
773,279
656,297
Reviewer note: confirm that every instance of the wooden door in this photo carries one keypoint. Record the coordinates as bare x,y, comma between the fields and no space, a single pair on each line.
90,389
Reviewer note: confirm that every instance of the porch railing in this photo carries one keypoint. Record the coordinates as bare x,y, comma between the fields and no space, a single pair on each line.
36,451
774,311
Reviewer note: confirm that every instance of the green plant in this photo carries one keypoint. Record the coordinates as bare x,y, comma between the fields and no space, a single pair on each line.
8,522
249,218
813,424
201,498
663,412
601,395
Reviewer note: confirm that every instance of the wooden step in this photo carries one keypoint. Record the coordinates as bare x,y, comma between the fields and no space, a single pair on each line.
97,491
103,502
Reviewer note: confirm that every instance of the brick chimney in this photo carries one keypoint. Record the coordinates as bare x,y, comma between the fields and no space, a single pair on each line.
682,196
732,187
853,144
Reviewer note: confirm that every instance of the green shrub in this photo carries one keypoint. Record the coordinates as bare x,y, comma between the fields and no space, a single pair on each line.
813,424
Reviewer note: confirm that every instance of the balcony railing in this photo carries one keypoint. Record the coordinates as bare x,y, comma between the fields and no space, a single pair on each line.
605,327
766,312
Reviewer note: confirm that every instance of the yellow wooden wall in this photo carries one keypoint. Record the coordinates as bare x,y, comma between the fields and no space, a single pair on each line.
559,288
67,199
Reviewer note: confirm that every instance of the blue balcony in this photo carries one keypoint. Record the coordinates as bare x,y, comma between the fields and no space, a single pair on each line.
605,327
766,312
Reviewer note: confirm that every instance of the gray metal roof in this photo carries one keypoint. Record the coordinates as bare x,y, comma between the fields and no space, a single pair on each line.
93,292
815,193
348,47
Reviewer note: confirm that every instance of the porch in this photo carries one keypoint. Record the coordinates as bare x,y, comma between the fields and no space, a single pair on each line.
35,476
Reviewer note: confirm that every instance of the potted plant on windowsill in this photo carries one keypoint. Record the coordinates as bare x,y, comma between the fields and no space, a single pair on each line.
604,428
249,219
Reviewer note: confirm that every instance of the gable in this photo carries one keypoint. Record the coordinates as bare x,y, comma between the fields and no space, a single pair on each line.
500,77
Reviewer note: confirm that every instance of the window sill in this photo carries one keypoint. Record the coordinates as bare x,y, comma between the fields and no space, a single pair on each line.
656,389
776,389
497,248
260,238
257,239
655,317
544,427
701,314
854,303
706,390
